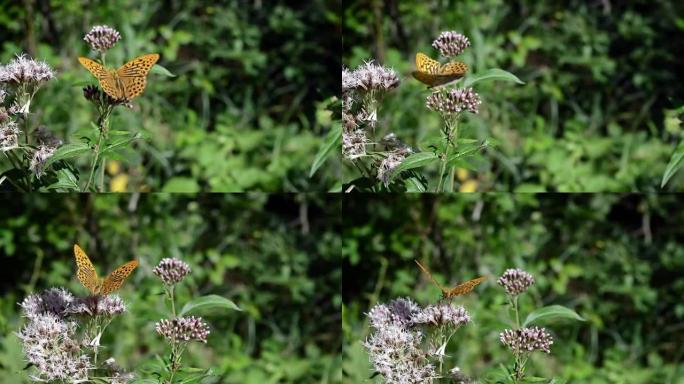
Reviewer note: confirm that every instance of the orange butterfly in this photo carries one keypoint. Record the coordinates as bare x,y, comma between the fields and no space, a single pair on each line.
88,276
126,82
458,290
431,73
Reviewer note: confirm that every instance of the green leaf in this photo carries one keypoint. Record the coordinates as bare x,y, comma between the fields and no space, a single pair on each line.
181,185
208,303
158,69
332,141
674,164
492,74
67,151
120,143
415,160
552,312
65,180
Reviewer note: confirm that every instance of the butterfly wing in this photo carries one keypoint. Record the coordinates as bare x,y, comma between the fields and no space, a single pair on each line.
427,65
466,287
427,272
86,271
431,73
115,279
133,75
107,80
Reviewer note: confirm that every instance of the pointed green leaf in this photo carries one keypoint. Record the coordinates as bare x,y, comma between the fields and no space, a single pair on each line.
492,74
207,304
551,313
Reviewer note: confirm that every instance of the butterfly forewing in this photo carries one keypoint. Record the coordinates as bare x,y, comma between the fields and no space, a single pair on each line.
464,288
86,273
133,75
431,73
106,78
115,279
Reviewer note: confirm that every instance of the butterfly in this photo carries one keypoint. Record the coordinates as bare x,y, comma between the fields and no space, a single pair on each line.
88,277
458,290
431,73
126,82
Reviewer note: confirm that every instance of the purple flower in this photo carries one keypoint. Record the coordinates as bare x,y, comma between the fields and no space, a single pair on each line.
25,70
454,101
527,339
49,343
451,43
183,329
515,281
55,301
442,314
371,77
171,271
110,305
40,157
102,38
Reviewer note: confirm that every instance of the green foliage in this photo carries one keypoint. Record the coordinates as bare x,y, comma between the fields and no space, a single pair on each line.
242,112
275,257
615,260
593,114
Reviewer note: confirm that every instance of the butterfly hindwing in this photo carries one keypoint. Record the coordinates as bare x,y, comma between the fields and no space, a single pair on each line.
86,273
117,277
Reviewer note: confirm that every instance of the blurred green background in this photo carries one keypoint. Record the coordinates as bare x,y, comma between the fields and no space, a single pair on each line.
277,257
618,260
597,112
247,110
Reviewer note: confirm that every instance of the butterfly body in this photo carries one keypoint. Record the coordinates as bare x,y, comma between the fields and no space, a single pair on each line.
126,82
432,73
87,275
449,293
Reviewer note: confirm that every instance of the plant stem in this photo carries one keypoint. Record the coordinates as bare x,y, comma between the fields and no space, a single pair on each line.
451,132
27,126
104,126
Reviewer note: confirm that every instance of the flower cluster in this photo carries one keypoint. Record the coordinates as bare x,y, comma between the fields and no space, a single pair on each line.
454,101
389,163
54,301
443,314
110,306
451,43
102,38
25,70
183,329
515,281
9,132
171,271
394,347
396,344
49,343
371,76
527,339
40,157
349,81
354,144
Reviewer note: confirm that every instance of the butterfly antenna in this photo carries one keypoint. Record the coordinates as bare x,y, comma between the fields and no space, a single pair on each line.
425,270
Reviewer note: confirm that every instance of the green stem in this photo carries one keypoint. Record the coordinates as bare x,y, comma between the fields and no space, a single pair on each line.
451,132
27,126
104,126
